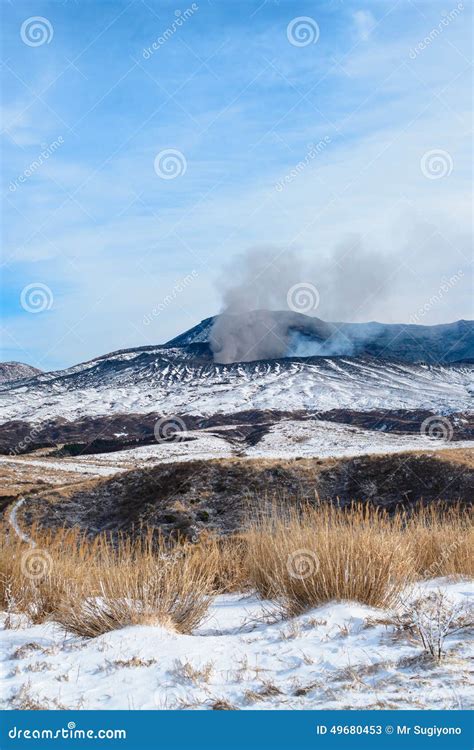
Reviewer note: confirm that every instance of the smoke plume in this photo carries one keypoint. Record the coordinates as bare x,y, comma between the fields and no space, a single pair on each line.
267,291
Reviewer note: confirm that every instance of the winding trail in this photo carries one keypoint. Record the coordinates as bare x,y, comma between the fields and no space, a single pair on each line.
71,468
12,520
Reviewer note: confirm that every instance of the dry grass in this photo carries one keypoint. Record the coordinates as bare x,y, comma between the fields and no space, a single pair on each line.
227,556
134,661
441,544
186,672
23,700
298,558
304,557
222,704
93,587
172,590
33,577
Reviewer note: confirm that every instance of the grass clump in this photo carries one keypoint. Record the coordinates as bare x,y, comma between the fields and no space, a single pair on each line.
92,587
307,556
299,557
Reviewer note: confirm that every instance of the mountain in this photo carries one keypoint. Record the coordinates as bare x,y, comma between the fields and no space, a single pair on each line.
398,378
309,336
385,365
12,371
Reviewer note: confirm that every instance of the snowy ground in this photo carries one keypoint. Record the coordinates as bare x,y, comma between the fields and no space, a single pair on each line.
286,439
335,657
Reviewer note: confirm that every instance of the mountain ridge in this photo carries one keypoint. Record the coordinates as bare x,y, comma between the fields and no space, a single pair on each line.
181,377
13,371
311,336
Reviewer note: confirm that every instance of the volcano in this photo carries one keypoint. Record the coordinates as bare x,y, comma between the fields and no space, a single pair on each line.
280,334
384,377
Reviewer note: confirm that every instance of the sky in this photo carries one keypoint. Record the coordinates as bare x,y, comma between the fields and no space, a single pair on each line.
146,147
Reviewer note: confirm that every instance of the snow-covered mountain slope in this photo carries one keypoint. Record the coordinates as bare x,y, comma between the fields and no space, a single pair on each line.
186,381
181,377
11,371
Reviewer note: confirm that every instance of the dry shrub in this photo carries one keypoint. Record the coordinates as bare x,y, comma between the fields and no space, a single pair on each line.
303,557
91,587
432,619
171,589
441,542
299,557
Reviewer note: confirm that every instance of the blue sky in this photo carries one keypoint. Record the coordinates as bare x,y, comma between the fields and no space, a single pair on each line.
103,239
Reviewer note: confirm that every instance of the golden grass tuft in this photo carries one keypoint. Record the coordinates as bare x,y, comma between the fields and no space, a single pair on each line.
304,557
92,587
299,557
170,589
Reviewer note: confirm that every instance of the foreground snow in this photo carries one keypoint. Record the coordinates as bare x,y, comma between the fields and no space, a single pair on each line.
335,657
